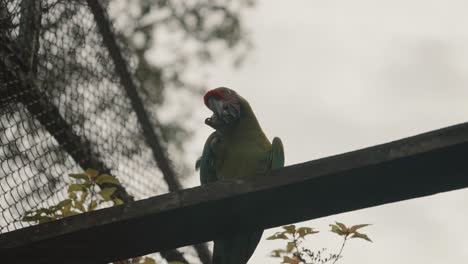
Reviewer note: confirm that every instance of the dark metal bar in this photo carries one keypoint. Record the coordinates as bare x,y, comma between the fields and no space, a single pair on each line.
152,139
418,166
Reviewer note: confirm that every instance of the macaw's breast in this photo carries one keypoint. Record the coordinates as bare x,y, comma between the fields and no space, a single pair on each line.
245,159
247,151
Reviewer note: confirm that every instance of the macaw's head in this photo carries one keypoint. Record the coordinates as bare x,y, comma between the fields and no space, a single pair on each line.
225,105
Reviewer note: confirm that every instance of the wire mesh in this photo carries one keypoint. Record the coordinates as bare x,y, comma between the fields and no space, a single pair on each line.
62,108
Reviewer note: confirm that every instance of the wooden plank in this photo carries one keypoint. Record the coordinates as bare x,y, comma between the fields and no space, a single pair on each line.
413,167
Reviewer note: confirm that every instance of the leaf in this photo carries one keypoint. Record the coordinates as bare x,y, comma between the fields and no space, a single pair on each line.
92,173
287,259
45,219
356,227
64,203
290,229
76,187
37,218
70,213
92,205
336,229
66,209
118,201
278,235
304,231
72,195
83,197
277,253
59,206
149,260
34,218
81,176
290,247
106,193
360,235
106,178
342,227
79,206
41,211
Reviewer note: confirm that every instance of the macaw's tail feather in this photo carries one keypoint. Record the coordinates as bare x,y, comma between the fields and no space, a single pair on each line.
198,164
237,249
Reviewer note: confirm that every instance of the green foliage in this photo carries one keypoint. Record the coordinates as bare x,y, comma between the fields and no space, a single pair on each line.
293,253
82,197
106,193
341,230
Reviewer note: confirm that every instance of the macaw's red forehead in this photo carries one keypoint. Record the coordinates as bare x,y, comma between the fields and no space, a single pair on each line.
217,93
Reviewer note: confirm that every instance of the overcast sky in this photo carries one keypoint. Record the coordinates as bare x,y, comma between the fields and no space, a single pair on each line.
334,76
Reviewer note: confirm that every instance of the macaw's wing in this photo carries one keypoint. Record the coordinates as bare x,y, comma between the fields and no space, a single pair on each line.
210,156
277,160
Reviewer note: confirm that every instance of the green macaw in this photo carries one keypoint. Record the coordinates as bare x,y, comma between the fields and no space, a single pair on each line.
238,149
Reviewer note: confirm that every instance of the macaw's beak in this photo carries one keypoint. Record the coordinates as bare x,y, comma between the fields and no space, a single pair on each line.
224,114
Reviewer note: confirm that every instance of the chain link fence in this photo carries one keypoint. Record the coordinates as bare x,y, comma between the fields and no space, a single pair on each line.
63,109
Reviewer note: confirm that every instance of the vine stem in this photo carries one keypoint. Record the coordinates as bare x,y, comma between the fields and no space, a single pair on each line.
341,249
295,241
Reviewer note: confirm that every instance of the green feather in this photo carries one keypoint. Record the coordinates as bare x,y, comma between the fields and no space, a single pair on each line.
241,153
